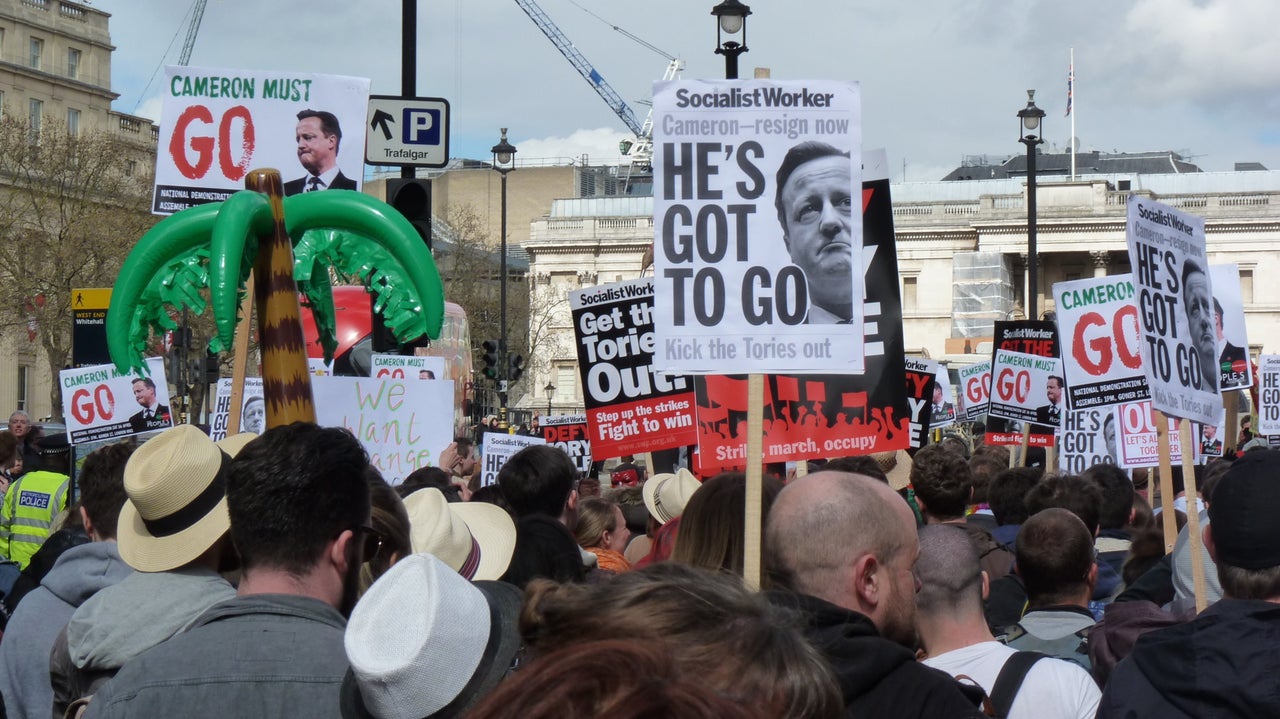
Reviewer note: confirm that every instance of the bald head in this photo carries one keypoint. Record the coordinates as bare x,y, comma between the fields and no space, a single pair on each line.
820,523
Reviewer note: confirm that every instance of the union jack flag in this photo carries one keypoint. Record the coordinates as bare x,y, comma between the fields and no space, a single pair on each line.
1071,78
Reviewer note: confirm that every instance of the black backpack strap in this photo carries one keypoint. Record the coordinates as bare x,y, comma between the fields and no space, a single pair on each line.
1009,681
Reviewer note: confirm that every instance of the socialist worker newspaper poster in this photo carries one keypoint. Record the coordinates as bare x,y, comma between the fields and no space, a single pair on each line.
216,124
1175,309
1034,337
496,449
1234,368
1268,396
1087,437
100,402
253,408
841,414
758,249
1101,353
568,432
920,377
632,407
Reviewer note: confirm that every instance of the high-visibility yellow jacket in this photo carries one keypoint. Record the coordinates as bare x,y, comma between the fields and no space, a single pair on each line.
30,505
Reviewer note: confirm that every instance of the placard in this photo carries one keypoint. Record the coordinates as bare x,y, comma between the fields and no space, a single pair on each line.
403,424
975,389
1268,396
100,402
1026,388
1087,437
1139,444
1210,438
942,407
1234,368
568,432
1175,309
216,124
920,377
496,449
253,410
1101,353
758,248
632,407
408,367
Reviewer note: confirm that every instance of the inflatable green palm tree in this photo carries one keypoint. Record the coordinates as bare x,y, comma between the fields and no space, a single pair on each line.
291,244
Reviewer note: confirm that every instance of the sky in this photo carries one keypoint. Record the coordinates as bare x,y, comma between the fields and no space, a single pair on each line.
940,79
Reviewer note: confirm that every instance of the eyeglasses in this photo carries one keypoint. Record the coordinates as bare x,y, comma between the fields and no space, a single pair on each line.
372,543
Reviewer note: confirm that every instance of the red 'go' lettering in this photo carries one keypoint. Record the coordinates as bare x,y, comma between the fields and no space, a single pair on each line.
1095,354
203,145
85,410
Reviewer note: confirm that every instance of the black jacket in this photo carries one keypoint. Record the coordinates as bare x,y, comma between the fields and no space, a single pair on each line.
878,677
1221,664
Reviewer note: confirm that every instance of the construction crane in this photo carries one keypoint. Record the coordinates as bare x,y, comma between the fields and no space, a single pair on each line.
639,150
197,14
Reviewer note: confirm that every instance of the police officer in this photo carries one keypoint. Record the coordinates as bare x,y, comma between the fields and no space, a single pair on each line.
34,500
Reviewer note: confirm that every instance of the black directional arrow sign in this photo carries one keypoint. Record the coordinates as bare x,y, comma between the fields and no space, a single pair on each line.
382,120
407,131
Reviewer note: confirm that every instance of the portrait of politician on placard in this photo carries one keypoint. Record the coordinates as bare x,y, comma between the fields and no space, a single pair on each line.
758,216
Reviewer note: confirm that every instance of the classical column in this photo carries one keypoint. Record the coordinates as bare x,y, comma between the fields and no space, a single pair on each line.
1100,260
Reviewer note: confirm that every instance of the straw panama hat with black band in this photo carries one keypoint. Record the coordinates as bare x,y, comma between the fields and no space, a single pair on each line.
177,499
666,495
476,539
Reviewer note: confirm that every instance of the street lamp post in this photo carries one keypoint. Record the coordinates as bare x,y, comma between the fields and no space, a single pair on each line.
504,155
550,389
731,18
1028,126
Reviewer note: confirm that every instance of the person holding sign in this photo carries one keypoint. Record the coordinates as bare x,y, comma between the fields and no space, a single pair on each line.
815,209
319,135
1200,321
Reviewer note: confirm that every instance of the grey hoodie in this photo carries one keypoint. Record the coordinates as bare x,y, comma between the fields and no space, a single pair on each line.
24,655
124,620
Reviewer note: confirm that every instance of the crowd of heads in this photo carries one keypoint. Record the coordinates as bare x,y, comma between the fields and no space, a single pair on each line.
448,589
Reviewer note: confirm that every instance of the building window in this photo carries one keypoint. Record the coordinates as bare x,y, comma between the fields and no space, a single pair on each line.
35,114
22,387
1246,287
73,122
910,298
566,383
73,63
37,49
130,167
1,103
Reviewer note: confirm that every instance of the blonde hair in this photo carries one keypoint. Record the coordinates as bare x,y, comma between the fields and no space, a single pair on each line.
595,517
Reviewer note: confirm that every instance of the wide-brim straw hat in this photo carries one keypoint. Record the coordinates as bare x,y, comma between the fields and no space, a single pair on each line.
667,494
896,467
177,506
437,660
476,539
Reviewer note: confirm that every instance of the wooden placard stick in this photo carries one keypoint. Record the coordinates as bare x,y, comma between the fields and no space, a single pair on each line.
240,358
1024,444
751,569
1230,402
1193,516
1051,458
1166,481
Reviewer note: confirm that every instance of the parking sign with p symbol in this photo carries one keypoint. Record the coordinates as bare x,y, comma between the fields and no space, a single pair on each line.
421,126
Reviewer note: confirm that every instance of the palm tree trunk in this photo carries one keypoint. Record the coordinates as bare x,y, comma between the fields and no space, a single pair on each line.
286,383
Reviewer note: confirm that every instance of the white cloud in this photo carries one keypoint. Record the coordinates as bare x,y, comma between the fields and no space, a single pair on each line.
599,146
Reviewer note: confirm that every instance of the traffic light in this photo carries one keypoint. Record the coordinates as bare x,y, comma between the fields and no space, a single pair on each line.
412,198
490,359
517,368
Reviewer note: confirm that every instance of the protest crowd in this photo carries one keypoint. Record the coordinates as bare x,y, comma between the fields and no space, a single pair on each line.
281,575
